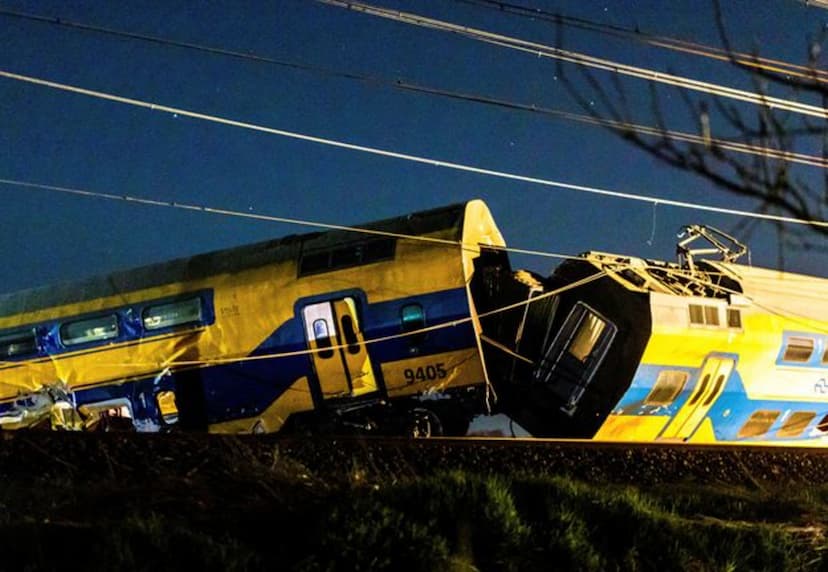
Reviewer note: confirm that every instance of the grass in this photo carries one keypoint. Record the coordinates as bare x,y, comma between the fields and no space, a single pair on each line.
279,516
461,521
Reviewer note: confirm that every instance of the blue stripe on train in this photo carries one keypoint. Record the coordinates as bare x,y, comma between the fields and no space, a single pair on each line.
728,414
247,388
632,402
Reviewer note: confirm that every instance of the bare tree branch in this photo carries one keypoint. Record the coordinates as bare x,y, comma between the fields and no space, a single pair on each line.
768,179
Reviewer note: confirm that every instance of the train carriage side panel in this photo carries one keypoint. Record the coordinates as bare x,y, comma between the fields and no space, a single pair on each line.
423,275
249,313
716,367
600,330
783,371
666,397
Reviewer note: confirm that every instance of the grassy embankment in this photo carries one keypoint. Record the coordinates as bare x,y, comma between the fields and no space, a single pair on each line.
281,517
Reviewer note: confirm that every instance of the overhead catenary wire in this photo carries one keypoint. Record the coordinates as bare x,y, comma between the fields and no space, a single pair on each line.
274,218
684,273
545,51
659,41
397,155
810,73
721,143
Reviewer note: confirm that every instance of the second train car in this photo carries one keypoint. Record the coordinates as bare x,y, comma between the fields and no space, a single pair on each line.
711,351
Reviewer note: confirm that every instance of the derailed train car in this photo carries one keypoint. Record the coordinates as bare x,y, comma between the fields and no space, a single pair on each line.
703,352
335,331
413,327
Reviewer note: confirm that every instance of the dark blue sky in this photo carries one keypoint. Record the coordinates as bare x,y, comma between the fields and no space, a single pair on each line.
58,138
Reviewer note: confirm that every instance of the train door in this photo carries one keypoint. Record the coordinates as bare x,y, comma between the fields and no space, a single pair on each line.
711,383
343,367
576,354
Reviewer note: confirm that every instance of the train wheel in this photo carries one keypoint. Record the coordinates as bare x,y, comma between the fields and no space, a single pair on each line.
423,423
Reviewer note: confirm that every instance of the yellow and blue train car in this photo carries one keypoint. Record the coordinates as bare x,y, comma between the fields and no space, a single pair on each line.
655,351
338,329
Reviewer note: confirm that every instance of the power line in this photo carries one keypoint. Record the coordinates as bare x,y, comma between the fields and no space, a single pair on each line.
541,50
666,42
816,3
185,45
271,218
405,156
725,144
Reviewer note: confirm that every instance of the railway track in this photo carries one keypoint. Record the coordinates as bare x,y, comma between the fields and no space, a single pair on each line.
137,456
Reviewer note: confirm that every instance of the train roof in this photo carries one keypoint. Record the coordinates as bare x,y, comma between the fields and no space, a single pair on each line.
785,292
449,221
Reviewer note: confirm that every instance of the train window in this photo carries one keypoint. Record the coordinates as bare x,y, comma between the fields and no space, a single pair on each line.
667,387
172,314
588,333
323,338
345,257
91,330
758,424
575,354
316,262
350,335
823,425
825,357
412,318
734,318
702,389
798,349
704,315
796,423
15,344
711,315
374,250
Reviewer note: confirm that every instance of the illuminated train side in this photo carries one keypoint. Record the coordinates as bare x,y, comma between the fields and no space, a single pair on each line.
307,332
654,352
414,328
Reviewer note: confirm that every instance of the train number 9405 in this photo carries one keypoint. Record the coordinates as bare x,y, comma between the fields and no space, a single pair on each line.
425,373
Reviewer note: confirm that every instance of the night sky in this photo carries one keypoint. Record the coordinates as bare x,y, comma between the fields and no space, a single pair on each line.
57,138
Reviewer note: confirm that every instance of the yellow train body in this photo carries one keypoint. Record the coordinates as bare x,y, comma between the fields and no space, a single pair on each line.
259,333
